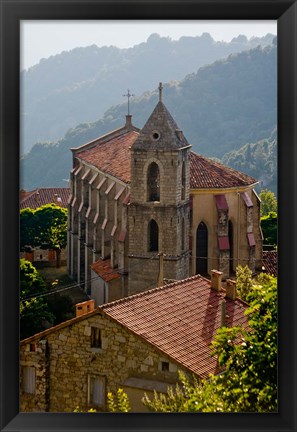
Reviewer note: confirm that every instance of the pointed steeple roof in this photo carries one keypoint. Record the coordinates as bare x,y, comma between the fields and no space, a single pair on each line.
160,132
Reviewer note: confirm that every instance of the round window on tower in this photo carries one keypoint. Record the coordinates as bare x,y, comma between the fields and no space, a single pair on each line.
155,135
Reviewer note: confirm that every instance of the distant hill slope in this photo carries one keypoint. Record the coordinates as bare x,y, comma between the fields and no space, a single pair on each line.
80,85
258,160
220,108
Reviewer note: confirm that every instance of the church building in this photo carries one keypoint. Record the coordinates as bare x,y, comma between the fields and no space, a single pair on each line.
144,209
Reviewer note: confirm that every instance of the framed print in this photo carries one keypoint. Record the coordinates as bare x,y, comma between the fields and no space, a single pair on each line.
17,367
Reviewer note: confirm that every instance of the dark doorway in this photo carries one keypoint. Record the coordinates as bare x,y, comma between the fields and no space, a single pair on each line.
201,249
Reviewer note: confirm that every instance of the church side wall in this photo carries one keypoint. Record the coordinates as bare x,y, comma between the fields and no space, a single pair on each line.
95,221
244,220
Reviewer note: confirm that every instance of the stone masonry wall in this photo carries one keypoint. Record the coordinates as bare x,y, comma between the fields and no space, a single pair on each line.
71,361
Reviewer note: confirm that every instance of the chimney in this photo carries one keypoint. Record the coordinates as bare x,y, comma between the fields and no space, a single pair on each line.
216,280
128,124
231,289
85,307
37,196
223,313
57,199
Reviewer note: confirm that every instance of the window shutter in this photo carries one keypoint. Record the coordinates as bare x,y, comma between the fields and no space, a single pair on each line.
29,380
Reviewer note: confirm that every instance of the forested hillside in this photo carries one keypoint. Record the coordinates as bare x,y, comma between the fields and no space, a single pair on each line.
258,159
220,108
80,85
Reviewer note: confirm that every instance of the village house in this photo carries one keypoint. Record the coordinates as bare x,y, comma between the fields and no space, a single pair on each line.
138,193
33,200
138,343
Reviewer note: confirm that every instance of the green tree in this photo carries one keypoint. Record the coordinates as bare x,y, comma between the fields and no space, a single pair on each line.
249,358
27,229
34,313
244,283
51,228
269,229
268,202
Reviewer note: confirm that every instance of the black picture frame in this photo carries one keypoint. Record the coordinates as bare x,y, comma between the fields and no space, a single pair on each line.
12,11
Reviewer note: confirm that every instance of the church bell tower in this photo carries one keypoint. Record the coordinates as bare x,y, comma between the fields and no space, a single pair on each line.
159,210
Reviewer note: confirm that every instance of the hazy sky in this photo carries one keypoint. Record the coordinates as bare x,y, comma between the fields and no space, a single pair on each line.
41,39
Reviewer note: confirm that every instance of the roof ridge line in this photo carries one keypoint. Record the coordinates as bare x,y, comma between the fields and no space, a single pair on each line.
144,293
103,138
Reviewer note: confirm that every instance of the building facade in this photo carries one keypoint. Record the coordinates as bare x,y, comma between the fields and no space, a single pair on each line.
138,194
138,343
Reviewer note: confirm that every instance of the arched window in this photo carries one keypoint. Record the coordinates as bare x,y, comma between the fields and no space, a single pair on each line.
153,182
183,182
201,248
153,236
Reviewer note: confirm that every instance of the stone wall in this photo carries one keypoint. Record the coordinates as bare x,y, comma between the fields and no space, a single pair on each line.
72,361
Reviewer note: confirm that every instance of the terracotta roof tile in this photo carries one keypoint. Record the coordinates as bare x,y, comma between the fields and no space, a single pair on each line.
104,270
112,156
206,173
42,196
270,262
179,319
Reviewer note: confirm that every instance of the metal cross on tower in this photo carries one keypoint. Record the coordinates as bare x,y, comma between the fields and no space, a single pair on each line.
128,95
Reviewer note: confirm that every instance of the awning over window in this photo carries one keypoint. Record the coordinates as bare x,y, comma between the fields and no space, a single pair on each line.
221,202
251,239
224,243
246,199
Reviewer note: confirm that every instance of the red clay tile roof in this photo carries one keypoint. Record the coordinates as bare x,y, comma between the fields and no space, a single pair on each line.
208,174
104,270
113,157
179,319
270,262
42,196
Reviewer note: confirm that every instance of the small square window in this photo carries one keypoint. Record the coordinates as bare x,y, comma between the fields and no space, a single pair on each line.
165,366
28,384
96,338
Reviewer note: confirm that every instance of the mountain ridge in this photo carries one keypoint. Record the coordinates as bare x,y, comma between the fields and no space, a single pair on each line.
81,84
220,108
